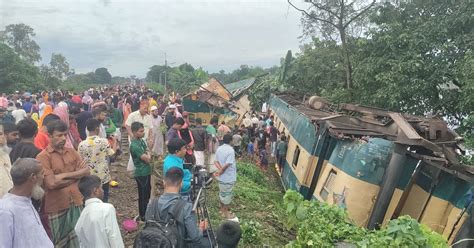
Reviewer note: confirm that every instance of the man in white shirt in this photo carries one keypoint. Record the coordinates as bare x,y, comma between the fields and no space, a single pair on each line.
5,165
247,122
19,113
142,116
97,226
255,120
21,225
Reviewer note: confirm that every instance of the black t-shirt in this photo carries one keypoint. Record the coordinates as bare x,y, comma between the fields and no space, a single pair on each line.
115,101
24,150
199,135
273,134
81,123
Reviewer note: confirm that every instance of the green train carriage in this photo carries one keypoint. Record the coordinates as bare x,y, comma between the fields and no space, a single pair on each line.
360,163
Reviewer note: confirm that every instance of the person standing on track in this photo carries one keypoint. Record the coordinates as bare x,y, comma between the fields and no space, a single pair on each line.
141,159
141,116
226,175
200,141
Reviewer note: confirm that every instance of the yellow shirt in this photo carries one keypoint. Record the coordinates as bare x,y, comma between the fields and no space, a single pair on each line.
152,102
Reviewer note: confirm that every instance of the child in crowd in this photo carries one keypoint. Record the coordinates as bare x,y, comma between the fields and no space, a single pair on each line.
263,161
250,148
141,159
96,152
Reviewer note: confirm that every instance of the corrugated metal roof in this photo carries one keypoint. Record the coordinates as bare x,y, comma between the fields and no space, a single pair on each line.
240,85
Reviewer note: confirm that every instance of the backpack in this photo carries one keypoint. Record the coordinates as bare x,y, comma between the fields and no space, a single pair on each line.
161,234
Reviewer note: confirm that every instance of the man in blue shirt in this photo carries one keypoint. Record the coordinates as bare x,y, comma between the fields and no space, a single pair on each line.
176,153
27,105
226,174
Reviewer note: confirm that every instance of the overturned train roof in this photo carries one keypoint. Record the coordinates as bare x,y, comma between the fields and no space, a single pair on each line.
427,138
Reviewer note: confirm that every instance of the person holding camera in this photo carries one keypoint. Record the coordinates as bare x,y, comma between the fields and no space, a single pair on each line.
176,152
189,233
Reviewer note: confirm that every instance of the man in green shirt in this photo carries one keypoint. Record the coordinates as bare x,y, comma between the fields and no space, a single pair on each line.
212,143
141,159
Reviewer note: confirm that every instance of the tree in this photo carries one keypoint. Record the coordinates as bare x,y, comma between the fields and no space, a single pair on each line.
59,66
19,37
47,77
15,73
329,15
155,73
102,76
286,66
417,60
317,69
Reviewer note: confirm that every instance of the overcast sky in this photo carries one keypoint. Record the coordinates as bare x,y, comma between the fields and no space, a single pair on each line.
129,36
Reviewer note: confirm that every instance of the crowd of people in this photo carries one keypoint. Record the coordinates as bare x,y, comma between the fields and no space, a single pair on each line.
56,149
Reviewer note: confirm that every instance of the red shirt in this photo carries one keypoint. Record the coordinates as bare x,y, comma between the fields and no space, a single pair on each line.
41,140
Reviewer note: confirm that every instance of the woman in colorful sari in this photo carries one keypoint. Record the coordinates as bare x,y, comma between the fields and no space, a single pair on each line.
48,109
127,109
87,101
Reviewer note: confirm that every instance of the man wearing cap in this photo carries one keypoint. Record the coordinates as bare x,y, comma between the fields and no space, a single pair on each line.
170,116
157,148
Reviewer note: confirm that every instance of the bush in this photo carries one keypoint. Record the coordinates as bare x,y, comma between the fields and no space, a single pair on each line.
251,233
322,225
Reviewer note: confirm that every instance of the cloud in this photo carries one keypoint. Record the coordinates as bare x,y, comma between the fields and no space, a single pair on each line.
130,36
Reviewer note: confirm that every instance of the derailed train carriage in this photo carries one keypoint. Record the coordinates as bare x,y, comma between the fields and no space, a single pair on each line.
377,164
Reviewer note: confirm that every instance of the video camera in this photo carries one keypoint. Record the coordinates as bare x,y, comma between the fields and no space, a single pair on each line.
200,179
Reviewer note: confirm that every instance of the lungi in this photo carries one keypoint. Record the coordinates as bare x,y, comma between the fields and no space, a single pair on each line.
225,192
62,227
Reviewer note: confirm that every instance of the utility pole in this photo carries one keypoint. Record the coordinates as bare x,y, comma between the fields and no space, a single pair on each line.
166,67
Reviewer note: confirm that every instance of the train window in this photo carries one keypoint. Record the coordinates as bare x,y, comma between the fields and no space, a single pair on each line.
296,156
328,185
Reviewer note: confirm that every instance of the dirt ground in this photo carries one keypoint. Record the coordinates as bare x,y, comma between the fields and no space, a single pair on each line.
125,196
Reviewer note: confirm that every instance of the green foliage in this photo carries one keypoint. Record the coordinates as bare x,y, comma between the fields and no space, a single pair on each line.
183,78
79,82
466,129
102,76
19,37
15,73
156,87
411,63
252,172
319,66
59,66
323,225
155,74
243,72
251,233
258,205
